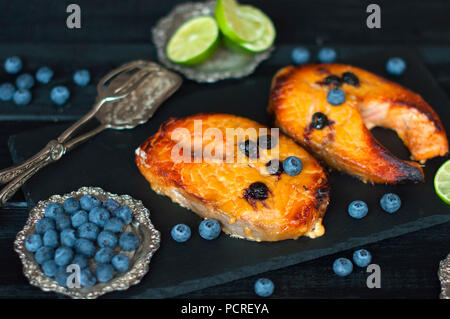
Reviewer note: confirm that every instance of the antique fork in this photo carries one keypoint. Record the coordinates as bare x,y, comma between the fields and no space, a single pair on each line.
127,96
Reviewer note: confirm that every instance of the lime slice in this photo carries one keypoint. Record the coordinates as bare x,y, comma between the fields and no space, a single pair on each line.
194,42
442,182
239,25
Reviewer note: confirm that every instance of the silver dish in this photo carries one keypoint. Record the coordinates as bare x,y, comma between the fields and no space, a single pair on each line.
444,277
149,239
225,64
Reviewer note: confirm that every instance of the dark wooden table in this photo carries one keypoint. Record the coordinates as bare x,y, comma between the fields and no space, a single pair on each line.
408,263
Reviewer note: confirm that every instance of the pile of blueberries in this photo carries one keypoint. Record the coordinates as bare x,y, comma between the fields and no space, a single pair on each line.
85,232
20,92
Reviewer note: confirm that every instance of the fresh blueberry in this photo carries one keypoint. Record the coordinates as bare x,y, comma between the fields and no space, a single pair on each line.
292,165
61,276
300,55
88,202
390,202
44,75
71,205
53,210
60,94
7,92
22,97
121,262
128,241
181,233
68,237
327,55
85,247
357,209
99,216
124,213
264,287
114,225
62,222
104,255
209,229
63,256
33,242
107,239
50,268
79,218
25,81
43,254
362,258
82,77
87,279
336,97
88,231
395,66
50,238
342,267
104,272
13,65
45,224
81,261
110,204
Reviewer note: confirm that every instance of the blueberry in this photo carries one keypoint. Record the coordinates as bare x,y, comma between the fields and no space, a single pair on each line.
107,239
333,80
327,55
99,216
357,209
128,241
13,65
249,148
362,258
50,238
43,254
300,55
7,92
87,279
81,261
110,204
264,287
25,81
61,276
104,272
121,262
336,97
50,268
85,247
390,202
114,225
181,233
124,213
88,202
256,191
33,242
88,231
274,167
82,77
79,218
68,237
44,75
71,205
350,78
45,224
104,255
209,229
63,256
292,165
395,66
319,121
62,222
267,142
22,97
60,94
342,267
53,210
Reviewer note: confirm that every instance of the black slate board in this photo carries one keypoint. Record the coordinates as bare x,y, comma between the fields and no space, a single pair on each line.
107,161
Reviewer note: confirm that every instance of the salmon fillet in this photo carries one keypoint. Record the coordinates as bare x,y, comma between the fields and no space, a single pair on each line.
250,198
340,135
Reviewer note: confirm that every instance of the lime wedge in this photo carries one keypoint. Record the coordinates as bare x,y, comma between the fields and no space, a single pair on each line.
194,42
239,25
442,182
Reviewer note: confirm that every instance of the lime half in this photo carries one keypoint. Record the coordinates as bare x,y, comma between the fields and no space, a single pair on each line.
239,25
442,182
194,42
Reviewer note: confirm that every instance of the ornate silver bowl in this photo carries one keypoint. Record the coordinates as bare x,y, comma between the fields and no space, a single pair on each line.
444,277
141,225
225,64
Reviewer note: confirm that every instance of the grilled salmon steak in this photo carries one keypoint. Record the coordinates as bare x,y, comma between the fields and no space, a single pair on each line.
339,135
229,168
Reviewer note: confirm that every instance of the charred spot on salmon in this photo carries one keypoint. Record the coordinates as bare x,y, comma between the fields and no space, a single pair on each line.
350,78
274,167
267,142
256,191
250,149
319,120
333,80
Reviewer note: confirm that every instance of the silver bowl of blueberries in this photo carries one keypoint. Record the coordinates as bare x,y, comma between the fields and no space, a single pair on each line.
87,243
